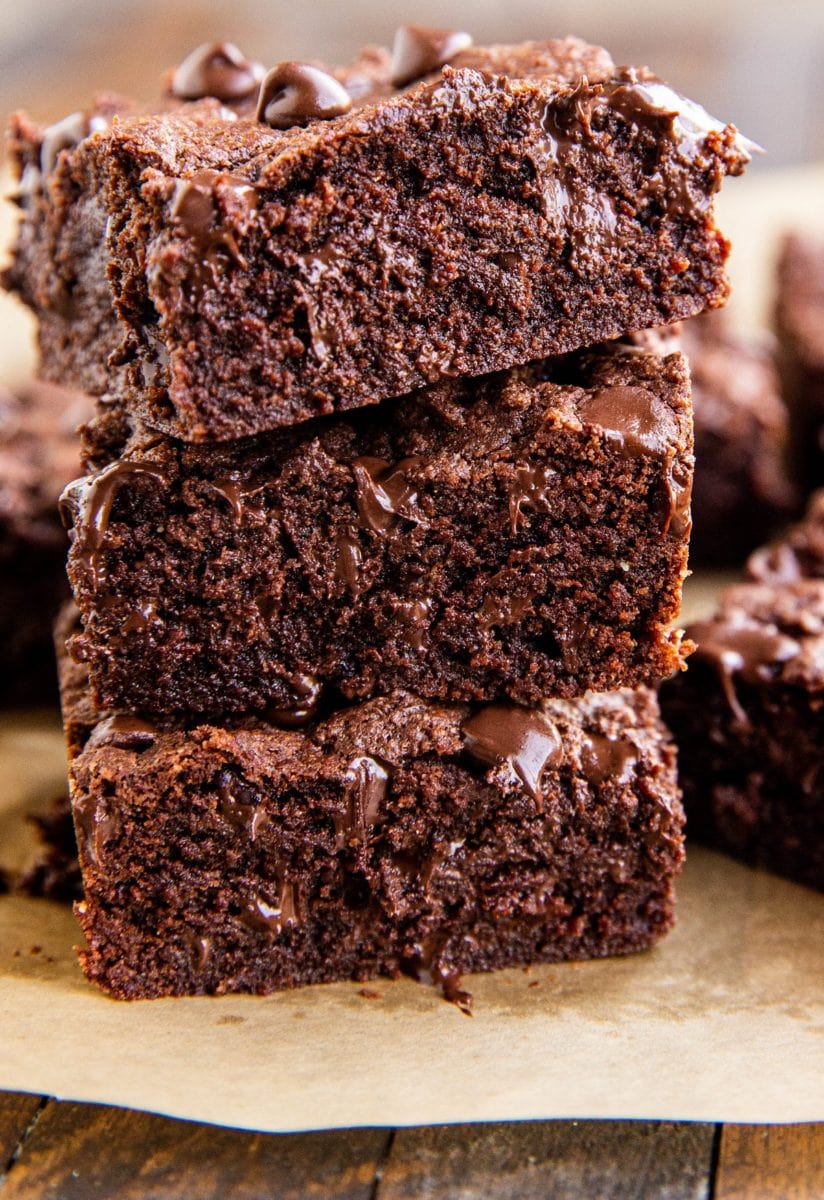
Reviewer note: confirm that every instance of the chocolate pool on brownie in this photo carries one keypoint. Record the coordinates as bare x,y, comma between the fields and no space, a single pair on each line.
366,234
522,535
797,554
395,836
747,718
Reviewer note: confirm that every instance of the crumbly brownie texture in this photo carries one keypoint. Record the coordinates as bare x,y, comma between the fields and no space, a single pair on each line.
799,554
396,836
741,492
524,201
38,456
799,318
521,535
747,718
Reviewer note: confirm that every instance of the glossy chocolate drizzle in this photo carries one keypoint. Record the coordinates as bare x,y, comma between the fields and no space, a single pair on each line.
735,649
87,505
216,69
367,786
524,739
418,51
428,966
294,93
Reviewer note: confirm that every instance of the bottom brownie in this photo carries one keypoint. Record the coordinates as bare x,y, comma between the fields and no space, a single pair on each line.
747,717
395,836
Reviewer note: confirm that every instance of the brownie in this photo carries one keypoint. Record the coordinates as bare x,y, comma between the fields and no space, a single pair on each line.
742,492
520,535
444,212
55,873
798,554
747,718
39,455
395,836
799,319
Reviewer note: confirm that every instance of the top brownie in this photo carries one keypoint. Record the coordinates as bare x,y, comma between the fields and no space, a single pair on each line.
444,211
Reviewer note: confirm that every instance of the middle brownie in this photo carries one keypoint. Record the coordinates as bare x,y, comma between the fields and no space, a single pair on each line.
520,535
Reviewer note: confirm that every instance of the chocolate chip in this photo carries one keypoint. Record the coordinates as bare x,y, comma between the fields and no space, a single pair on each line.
418,51
216,69
294,93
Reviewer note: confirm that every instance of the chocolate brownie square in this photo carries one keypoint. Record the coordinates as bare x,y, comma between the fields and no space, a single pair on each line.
799,319
222,270
39,454
394,836
747,718
520,535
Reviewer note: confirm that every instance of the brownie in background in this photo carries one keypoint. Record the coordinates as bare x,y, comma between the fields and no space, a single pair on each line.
742,493
39,455
797,554
747,719
799,323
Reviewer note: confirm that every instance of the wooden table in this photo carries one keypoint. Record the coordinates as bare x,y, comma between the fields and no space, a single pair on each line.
53,1150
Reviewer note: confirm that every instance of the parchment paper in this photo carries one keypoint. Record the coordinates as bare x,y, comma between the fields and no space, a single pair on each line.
724,1021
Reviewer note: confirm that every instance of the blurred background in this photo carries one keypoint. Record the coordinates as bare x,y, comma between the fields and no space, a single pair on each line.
758,63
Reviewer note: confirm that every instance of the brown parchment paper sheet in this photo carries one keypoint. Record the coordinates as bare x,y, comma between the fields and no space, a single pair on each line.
723,1021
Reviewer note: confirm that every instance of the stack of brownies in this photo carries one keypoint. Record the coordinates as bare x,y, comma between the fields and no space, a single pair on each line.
381,544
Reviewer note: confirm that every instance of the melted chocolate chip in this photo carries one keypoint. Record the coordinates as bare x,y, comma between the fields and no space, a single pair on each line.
734,649
418,51
124,731
414,619
87,505
505,610
240,805
96,824
294,93
427,965
216,69
632,418
271,919
348,561
384,493
530,489
525,739
303,709
368,783
196,211
607,758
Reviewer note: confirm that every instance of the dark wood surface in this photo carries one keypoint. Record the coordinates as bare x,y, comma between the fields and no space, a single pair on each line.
51,1150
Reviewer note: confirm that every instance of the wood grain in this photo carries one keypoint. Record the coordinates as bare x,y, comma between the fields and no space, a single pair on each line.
81,1150
17,1111
771,1162
551,1160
